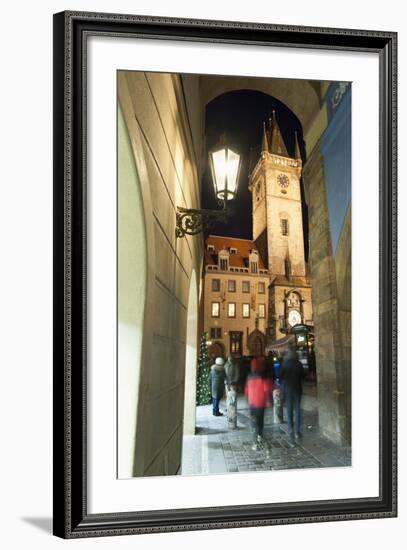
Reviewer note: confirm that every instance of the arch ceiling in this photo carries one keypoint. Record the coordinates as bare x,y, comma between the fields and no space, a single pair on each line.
302,97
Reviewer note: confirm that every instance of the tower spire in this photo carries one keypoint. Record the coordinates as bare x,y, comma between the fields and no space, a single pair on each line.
277,143
264,143
269,130
297,153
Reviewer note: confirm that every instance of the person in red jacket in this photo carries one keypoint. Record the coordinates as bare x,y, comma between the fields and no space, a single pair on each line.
258,391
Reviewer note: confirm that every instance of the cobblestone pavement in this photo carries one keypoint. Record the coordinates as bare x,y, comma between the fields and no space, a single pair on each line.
215,449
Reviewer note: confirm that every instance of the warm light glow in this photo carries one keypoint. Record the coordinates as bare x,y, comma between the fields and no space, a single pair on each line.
225,171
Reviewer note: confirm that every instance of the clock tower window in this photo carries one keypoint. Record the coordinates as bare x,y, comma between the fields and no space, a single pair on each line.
284,226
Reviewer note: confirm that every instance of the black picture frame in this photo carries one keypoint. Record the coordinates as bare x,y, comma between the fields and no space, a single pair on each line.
71,519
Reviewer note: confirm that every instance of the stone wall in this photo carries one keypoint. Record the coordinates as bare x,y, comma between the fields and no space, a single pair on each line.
155,112
331,307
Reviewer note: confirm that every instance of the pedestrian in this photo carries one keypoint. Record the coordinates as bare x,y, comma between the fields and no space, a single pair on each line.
231,381
217,384
258,393
278,402
276,369
292,375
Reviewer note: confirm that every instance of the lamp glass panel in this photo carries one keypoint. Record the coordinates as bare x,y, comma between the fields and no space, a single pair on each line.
219,171
225,165
232,172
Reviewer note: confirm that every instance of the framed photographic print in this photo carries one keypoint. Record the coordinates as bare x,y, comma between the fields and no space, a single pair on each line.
224,274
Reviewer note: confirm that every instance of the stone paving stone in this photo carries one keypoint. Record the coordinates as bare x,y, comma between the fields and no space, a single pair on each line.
230,451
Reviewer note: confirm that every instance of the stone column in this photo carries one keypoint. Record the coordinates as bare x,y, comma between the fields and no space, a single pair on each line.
332,361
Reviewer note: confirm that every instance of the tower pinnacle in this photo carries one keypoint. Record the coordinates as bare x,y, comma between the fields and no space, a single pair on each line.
277,143
264,144
297,153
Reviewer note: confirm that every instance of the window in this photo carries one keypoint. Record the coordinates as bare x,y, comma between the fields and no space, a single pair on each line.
215,285
253,261
245,286
284,226
231,309
223,259
262,288
224,264
262,311
233,250
215,309
216,332
235,342
246,311
231,286
211,248
253,267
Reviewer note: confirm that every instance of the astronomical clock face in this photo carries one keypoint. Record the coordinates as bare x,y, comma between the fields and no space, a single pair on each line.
294,317
283,181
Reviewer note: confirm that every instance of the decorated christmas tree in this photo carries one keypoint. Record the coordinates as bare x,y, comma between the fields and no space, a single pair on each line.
203,392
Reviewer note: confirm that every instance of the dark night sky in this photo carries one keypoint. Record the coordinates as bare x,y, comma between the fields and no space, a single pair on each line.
240,116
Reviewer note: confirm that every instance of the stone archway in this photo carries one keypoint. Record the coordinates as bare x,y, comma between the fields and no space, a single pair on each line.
303,99
308,102
132,287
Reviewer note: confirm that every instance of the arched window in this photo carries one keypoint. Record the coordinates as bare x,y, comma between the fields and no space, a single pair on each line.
284,226
284,223
254,261
223,260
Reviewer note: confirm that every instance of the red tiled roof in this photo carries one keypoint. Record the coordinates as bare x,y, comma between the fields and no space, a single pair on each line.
243,247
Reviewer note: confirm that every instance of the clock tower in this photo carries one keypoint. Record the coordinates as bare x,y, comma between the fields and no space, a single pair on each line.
278,230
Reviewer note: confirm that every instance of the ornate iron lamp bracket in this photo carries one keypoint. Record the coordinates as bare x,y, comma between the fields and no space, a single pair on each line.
191,221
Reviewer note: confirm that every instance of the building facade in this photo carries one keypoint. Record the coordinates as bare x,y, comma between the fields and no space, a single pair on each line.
235,297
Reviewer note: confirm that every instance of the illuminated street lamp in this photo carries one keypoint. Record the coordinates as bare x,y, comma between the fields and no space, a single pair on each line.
225,167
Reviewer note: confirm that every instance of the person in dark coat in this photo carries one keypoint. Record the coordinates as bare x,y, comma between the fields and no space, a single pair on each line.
217,384
292,375
258,391
231,373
